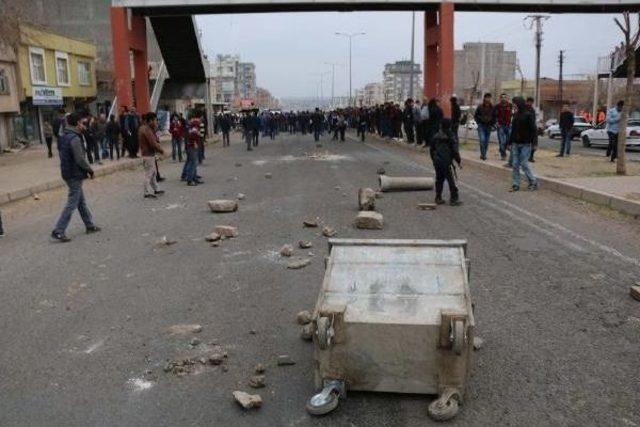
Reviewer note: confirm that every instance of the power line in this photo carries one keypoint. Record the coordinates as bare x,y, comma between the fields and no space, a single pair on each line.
537,20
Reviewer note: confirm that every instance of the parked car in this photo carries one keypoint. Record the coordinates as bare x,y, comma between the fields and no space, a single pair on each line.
598,137
579,126
550,123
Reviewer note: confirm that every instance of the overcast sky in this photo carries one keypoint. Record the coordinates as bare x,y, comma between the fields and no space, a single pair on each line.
290,49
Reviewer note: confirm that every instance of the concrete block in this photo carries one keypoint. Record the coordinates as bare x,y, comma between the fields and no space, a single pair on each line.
19,194
569,190
596,197
56,183
369,220
627,206
38,188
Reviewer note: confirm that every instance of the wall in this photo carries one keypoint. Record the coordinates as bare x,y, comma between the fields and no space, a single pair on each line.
9,103
77,50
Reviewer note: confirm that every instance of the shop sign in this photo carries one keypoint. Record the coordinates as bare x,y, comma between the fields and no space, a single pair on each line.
44,95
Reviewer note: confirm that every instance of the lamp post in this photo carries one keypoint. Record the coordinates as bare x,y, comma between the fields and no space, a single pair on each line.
350,36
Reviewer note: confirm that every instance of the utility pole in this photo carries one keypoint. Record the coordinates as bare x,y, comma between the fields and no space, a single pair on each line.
350,36
561,62
333,79
521,78
413,41
537,20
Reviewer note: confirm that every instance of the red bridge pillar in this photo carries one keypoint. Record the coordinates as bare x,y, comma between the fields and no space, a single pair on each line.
129,39
438,55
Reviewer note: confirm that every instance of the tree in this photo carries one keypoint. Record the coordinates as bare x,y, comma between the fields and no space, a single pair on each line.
630,45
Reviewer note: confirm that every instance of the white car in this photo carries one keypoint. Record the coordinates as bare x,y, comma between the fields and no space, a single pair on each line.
579,125
598,137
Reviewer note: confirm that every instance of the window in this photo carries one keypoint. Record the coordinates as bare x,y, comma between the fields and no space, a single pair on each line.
84,73
4,83
38,70
62,69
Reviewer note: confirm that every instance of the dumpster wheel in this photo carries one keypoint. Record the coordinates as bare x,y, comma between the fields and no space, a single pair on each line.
324,331
446,406
323,402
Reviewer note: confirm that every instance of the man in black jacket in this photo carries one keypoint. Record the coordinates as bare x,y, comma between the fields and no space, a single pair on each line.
523,136
74,169
566,130
444,150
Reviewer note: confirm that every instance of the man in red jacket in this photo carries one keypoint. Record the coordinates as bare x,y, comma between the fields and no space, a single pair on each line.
503,111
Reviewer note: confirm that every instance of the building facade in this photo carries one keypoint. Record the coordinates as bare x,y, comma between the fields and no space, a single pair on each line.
9,95
397,81
246,82
483,66
224,78
374,93
54,72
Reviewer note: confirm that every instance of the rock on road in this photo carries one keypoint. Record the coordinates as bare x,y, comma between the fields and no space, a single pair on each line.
86,325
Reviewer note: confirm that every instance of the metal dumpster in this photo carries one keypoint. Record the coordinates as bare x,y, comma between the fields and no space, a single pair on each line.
394,316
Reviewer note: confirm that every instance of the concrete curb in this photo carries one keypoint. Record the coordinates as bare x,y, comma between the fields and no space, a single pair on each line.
23,193
617,203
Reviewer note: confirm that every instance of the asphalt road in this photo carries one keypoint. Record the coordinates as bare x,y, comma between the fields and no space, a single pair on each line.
84,335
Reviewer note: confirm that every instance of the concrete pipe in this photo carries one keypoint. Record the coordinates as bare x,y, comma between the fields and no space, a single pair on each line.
408,183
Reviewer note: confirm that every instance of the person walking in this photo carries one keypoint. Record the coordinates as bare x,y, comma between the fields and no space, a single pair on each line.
316,124
456,116
409,120
202,130
444,151
523,134
565,123
47,130
534,146
225,127
113,136
190,169
131,125
502,114
613,127
434,121
89,134
485,120
341,125
149,148
101,136
74,169
58,126
177,132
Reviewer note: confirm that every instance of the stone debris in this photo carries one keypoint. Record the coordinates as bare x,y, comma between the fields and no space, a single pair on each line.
268,175
259,368
306,333
379,195
213,237
337,188
36,197
241,196
635,292
194,342
227,231
427,206
366,199
285,360
215,244
238,165
223,206
216,359
305,244
369,220
246,400
328,231
477,343
381,171
165,241
185,329
310,223
286,250
298,264
303,317
257,381
181,367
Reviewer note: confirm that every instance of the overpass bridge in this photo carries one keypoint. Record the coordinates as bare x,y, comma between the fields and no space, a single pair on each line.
175,30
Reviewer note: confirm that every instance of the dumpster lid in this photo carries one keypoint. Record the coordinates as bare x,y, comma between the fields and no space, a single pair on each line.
397,281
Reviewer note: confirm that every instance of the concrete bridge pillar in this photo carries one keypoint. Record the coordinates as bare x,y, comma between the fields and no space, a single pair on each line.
130,62
438,55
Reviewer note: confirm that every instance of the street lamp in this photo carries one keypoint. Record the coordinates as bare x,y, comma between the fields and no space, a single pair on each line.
350,36
333,78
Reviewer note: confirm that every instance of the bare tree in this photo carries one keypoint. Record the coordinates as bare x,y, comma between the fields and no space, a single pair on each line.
472,98
630,44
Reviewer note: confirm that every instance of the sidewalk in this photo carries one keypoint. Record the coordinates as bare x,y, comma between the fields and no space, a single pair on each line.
30,172
583,177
